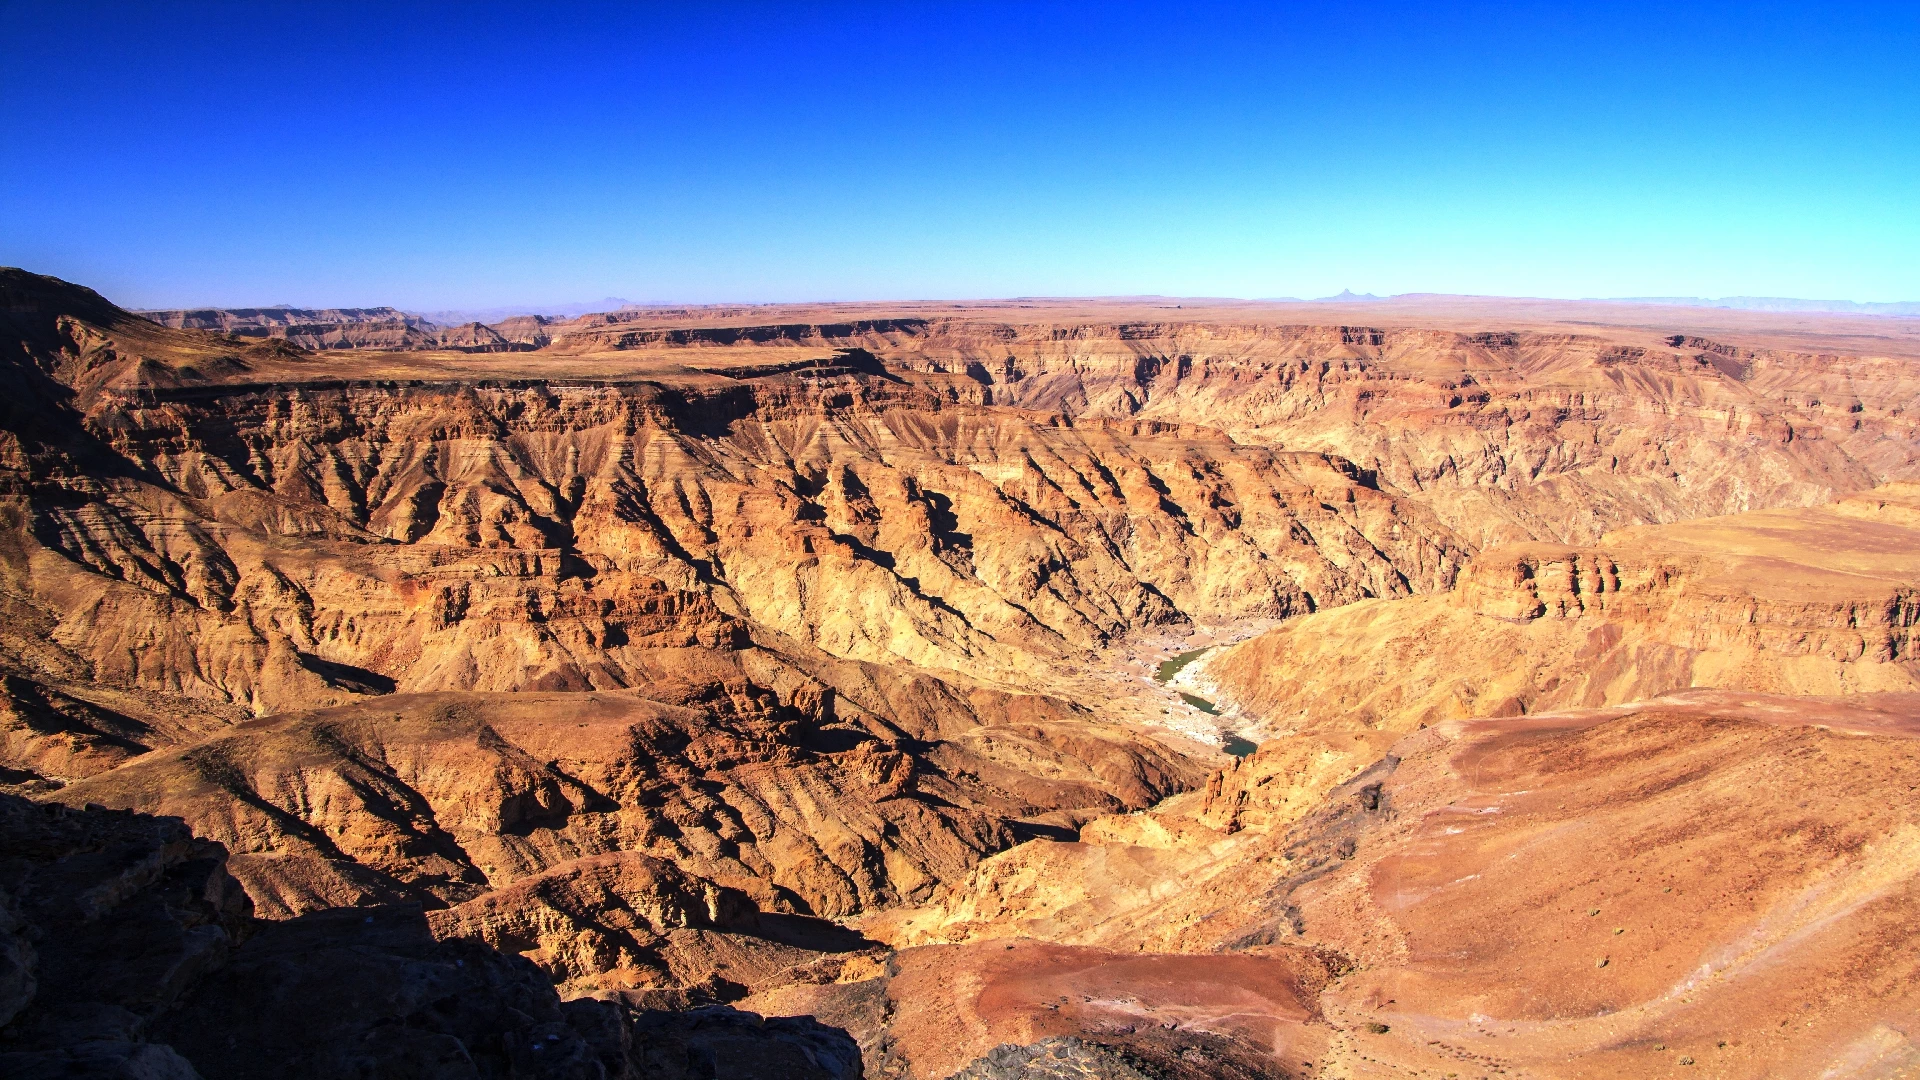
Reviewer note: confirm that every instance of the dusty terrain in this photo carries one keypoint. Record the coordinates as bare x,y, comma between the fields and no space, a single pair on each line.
1717,876
874,690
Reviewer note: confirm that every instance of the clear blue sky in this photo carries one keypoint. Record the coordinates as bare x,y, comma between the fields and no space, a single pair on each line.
466,155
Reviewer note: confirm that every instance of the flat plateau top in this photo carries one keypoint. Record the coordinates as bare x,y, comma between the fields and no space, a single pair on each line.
1835,332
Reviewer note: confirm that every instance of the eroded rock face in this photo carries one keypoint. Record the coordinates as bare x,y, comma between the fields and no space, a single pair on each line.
328,328
266,549
603,918
1505,435
1060,1058
202,520
358,993
1593,893
755,777
127,951
1814,601
110,918
622,656
433,538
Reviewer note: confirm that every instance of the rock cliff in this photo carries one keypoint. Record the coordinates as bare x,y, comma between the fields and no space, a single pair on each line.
765,692
1505,435
762,781
1819,600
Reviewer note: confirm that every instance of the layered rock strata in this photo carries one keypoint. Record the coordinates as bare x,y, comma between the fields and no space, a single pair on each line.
1506,435
632,654
1823,600
762,780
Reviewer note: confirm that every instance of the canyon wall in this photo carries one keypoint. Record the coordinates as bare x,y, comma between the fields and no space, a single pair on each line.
712,665
1813,601
1505,435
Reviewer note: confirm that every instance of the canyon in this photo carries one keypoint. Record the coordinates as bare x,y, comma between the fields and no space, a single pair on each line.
1011,689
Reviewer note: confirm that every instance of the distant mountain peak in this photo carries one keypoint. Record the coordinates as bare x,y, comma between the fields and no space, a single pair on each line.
1348,296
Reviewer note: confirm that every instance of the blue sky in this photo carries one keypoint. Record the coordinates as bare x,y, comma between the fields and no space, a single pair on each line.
478,155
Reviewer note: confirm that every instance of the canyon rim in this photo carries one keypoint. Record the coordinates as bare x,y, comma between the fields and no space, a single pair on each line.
1105,688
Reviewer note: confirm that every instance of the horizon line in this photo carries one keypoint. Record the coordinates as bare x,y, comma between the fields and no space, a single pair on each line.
580,309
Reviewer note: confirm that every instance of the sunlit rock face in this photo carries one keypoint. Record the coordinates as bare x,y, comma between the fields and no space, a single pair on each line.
798,664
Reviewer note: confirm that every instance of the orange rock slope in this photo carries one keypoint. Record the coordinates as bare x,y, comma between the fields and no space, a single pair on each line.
1821,600
1712,879
781,657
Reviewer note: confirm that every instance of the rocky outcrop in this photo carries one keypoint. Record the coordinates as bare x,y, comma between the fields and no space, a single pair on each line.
1585,894
107,920
1059,1058
49,738
606,920
356,993
715,1041
381,328
753,776
126,951
122,955
1507,435
1820,600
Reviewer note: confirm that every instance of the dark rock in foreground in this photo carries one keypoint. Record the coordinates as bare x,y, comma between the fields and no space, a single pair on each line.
1051,1059
127,951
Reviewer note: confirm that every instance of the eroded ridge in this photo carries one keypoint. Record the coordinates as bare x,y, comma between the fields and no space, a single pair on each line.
968,690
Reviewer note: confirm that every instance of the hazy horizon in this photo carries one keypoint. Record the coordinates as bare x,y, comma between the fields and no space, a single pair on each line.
458,314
